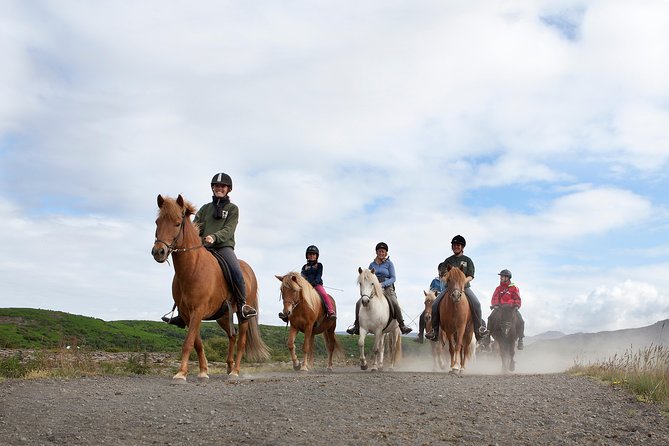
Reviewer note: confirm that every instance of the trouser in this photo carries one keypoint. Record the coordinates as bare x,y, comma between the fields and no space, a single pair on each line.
421,325
326,299
236,272
474,305
389,292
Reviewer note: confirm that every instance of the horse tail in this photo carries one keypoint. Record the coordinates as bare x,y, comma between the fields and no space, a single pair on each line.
470,352
398,349
256,349
338,352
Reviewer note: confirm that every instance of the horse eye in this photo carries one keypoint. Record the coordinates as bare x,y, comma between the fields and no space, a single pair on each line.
178,224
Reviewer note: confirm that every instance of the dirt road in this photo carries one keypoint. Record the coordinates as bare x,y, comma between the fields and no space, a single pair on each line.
347,407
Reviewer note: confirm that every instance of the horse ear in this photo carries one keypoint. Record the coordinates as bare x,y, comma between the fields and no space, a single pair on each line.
373,271
279,277
425,292
293,278
359,270
160,200
180,200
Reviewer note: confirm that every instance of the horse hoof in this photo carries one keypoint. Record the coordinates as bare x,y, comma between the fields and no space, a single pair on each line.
203,378
234,374
363,367
178,379
297,366
329,369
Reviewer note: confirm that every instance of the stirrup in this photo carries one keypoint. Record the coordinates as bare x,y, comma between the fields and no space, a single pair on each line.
248,311
352,330
283,317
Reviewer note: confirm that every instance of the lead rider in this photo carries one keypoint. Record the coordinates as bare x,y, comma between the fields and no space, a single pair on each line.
218,221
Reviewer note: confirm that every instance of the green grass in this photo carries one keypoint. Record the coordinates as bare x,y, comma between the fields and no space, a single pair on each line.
49,333
644,372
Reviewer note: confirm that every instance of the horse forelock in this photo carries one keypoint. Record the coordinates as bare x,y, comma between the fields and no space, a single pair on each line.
369,276
457,277
171,209
301,285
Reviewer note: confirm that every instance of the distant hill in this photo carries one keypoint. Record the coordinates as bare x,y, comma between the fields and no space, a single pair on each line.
543,337
564,351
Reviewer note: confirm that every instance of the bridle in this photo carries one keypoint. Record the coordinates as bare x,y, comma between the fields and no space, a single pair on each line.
171,247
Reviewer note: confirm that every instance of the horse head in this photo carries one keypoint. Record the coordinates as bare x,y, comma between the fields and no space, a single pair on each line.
455,280
369,285
430,297
291,294
173,216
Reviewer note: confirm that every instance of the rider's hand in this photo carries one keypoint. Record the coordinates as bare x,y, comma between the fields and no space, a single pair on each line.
209,239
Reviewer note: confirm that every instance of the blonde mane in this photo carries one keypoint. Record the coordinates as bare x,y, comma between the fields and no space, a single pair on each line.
369,276
310,296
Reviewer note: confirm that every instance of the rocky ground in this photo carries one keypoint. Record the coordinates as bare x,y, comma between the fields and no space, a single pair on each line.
347,407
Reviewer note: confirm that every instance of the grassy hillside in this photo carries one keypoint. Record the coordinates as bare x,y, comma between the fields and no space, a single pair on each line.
25,328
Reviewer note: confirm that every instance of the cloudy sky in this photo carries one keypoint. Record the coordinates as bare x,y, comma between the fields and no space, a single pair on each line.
539,130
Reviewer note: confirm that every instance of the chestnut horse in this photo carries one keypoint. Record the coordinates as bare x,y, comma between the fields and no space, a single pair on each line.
200,289
374,317
455,319
438,347
302,305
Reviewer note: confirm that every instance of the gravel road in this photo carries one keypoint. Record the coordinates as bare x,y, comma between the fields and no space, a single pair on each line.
346,407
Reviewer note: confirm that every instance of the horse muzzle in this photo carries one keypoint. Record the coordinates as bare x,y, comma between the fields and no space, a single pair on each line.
456,295
364,300
160,253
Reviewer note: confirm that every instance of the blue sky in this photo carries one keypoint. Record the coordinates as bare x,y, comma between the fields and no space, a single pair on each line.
538,130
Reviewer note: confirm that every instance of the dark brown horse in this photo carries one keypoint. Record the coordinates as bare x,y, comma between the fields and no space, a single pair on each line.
302,306
200,290
455,319
503,323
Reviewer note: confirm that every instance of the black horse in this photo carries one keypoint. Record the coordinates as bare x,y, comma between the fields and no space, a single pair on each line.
503,324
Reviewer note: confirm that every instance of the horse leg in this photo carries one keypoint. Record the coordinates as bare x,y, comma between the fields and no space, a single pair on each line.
224,323
378,351
361,346
306,348
241,347
291,347
311,350
201,359
330,345
187,347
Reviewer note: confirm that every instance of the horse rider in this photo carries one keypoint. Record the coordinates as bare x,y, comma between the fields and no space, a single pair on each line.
507,293
385,272
312,271
218,221
437,286
460,260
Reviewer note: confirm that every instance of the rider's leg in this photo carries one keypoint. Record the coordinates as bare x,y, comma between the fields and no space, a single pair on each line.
479,324
355,329
244,311
432,336
389,292
421,327
176,320
521,330
326,300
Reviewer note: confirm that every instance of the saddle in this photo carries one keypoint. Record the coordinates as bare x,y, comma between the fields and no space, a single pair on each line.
228,277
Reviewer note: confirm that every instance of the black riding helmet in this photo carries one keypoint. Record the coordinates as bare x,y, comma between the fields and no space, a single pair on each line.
381,245
222,178
460,240
505,272
311,249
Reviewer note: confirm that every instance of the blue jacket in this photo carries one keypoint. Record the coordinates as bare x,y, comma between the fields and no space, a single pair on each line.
385,272
313,272
437,285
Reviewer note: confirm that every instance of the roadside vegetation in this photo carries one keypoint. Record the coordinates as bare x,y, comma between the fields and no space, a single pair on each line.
42,343
645,373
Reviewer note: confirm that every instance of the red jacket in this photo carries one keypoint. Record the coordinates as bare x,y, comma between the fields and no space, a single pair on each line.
506,295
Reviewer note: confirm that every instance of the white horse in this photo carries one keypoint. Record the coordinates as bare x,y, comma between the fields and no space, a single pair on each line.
374,318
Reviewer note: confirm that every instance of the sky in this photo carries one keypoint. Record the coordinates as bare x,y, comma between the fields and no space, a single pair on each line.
538,130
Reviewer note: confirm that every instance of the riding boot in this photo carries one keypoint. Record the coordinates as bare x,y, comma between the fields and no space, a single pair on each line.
176,320
283,317
403,328
355,329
